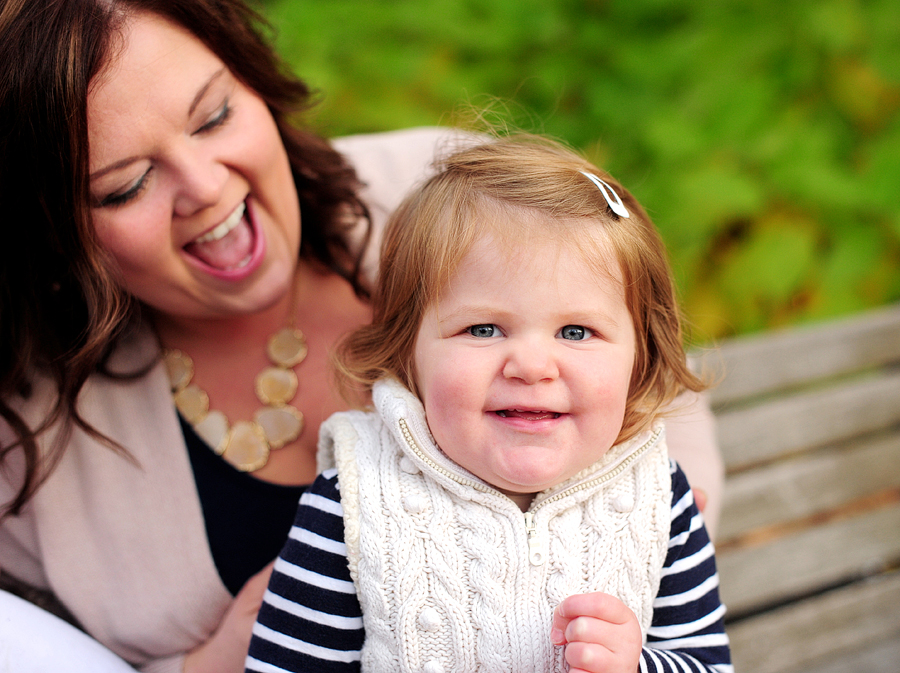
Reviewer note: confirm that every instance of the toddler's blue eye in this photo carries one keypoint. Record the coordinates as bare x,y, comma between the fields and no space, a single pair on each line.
483,331
574,333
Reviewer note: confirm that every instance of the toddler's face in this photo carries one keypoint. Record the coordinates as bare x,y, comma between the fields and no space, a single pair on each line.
524,364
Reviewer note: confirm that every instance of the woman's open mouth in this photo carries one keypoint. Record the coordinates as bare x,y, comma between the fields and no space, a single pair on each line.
228,246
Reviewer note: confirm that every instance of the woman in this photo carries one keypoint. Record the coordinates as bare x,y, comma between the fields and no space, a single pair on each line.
156,193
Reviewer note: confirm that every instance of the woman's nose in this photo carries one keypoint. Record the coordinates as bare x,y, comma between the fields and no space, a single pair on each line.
530,361
201,182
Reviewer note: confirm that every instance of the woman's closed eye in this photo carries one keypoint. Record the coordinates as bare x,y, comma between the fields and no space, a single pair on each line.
120,198
484,331
222,115
575,333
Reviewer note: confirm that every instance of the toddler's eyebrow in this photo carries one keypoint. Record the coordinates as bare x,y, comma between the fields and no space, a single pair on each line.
482,312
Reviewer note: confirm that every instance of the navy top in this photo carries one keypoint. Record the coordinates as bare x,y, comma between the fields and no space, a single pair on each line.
247,519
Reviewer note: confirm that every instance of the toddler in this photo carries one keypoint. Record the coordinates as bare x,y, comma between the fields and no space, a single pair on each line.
508,504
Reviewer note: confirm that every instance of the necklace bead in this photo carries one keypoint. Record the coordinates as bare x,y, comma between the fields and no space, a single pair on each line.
245,444
287,347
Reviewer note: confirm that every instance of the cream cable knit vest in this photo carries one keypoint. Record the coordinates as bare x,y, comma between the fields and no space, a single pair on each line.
452,577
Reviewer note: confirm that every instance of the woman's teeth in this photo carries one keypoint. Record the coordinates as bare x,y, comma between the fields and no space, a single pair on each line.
222,230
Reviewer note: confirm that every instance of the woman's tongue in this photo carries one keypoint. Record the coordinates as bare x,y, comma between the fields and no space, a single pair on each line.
232,251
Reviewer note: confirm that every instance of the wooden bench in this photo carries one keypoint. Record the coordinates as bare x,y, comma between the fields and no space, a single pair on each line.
809,540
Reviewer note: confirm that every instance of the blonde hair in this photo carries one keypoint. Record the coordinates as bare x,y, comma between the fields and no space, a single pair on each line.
434,228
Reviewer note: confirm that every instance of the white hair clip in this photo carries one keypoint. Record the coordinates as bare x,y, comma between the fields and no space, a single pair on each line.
614,202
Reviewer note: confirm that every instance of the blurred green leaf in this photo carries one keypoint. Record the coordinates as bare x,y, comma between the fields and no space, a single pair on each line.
771,264
763,136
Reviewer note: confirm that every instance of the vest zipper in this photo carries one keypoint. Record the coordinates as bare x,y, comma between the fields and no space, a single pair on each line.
414,447
610,474
536,541
536,555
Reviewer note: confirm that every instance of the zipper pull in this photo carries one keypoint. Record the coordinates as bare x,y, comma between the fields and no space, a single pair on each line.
535,548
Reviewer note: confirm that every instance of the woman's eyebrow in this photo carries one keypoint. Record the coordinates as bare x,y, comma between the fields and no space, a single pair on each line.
201,92
121,163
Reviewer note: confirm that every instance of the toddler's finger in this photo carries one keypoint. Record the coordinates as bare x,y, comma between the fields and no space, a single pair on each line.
588,657
597,605
558,628
592,630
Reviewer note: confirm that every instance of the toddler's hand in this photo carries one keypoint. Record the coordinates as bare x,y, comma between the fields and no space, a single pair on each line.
600,634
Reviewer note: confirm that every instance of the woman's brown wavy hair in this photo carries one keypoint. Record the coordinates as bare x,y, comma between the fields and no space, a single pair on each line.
538,187
61,306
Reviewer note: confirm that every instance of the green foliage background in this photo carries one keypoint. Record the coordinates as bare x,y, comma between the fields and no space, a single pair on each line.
763,136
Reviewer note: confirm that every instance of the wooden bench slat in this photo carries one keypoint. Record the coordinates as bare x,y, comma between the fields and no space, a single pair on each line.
803,420
818,630
809,560
772,361
809,426
806,485
877,657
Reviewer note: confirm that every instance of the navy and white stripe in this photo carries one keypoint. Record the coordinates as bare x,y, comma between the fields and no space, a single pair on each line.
688,629
311,620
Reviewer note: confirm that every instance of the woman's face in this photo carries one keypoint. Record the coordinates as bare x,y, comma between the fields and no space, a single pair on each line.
191,187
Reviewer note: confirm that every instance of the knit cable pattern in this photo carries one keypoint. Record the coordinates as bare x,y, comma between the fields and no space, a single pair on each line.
442,567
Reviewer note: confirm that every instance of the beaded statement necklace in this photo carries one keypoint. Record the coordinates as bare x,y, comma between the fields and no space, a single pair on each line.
246,444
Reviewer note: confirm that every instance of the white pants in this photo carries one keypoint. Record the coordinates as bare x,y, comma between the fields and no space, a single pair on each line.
34,641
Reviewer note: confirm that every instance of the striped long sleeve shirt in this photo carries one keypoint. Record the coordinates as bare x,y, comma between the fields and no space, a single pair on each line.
311,619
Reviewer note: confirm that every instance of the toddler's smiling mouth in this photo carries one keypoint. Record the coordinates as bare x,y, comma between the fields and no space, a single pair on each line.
527,414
